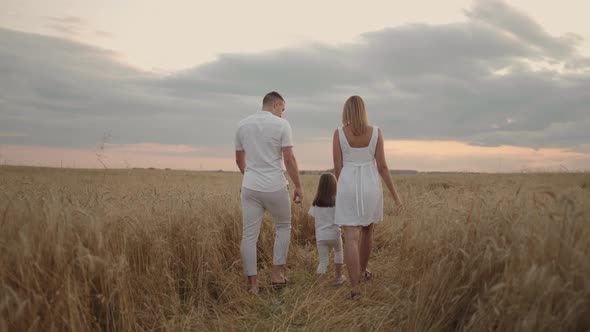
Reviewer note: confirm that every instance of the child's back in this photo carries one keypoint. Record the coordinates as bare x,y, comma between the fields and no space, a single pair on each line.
325,228
327,233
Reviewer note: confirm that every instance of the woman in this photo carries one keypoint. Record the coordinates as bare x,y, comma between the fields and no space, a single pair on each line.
359,164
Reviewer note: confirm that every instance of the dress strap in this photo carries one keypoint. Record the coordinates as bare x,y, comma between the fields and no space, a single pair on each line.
374,138
342,137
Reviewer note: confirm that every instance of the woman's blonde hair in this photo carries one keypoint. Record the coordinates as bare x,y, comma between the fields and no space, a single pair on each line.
355,115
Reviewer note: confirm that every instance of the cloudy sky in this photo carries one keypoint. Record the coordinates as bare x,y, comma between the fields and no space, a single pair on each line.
481,85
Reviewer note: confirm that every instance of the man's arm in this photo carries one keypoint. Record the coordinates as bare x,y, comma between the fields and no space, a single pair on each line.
240,153
293,171
241,160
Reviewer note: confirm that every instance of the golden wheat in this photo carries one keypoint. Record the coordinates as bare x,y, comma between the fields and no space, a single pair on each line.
122,250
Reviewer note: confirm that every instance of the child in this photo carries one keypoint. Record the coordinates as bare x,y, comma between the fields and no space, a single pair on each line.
326,232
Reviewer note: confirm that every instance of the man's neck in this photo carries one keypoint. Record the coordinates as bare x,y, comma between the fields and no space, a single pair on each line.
269,111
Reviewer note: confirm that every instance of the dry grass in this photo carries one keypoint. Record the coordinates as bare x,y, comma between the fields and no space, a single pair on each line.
159,250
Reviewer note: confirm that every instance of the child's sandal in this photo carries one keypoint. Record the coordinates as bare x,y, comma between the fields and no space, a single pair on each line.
354,296
366,275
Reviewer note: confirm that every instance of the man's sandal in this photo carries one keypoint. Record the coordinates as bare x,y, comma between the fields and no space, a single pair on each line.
279,285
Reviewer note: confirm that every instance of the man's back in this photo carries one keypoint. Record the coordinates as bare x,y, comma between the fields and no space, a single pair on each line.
261,136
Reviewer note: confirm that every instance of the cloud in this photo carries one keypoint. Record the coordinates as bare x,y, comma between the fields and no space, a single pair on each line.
153,148
74,28
505,18
496,79
115,158
67,25
74,20
103,34
453,156
12,134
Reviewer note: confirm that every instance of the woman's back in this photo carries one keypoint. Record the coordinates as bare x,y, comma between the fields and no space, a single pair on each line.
358,149
359,198
358,141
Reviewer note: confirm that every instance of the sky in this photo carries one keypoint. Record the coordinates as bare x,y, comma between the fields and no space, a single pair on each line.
484,85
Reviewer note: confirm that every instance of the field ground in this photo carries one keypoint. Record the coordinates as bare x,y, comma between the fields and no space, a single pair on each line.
159,250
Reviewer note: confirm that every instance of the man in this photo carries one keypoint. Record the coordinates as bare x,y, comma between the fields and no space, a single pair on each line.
263,142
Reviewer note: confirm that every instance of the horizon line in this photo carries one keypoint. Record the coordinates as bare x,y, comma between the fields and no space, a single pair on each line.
561,170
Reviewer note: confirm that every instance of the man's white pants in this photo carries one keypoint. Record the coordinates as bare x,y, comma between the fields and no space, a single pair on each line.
254,203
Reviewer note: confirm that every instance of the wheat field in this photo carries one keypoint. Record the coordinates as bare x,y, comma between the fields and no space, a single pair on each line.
136,250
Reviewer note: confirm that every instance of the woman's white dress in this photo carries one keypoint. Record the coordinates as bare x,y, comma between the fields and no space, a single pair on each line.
359,197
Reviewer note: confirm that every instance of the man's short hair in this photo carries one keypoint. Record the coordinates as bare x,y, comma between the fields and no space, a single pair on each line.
271,97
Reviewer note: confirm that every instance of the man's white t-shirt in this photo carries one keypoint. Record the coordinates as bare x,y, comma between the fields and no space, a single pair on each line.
262,136
325,229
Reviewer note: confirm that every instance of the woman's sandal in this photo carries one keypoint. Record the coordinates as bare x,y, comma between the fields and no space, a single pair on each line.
354,296
366,275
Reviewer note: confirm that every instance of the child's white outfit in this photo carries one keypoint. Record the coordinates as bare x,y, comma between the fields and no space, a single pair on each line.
327,235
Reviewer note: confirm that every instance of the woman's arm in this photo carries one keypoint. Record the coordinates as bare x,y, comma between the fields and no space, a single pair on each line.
336,154
384,170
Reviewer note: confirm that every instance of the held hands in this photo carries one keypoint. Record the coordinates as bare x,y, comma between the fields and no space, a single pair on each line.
298,195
